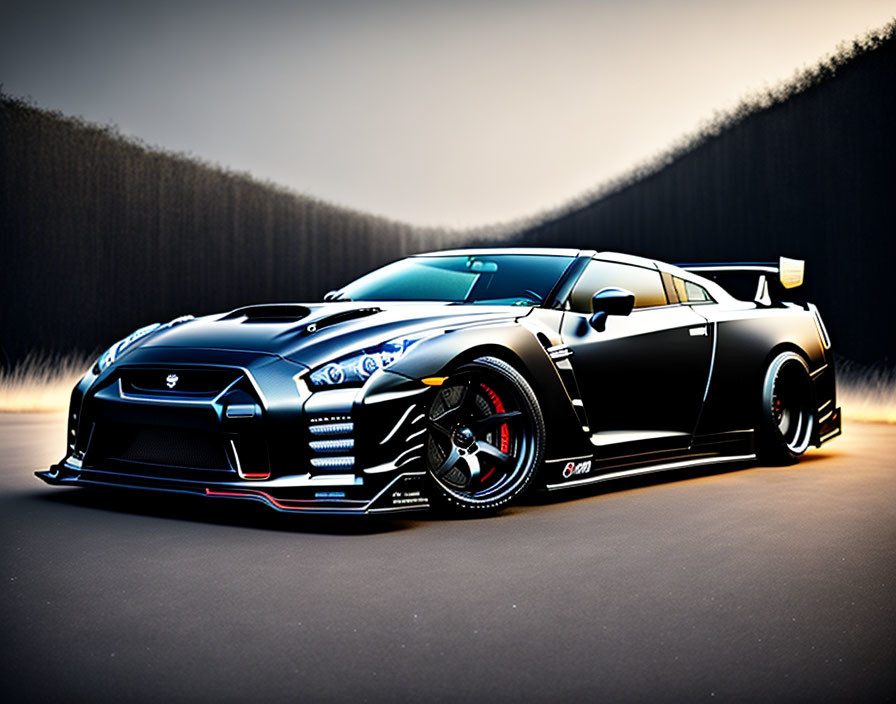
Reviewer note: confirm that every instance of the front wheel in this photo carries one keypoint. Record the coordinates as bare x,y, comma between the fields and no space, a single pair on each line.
485,437
788,415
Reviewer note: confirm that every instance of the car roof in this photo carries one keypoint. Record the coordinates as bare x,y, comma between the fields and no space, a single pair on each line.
486,251
544,252
626,259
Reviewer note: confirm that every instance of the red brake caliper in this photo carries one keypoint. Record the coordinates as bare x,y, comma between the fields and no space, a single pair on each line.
498,405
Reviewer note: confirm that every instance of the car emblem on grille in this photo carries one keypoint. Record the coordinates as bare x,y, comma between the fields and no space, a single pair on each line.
172,380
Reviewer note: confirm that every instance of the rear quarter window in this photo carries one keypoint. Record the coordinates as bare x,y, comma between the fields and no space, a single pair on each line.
689,292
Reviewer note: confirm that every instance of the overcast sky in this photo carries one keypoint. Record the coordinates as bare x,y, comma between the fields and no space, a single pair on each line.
449,113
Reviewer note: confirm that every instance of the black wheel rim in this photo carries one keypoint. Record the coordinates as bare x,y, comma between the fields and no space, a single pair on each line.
480,442
790,408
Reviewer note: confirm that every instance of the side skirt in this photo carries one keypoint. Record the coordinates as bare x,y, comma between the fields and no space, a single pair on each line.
696,462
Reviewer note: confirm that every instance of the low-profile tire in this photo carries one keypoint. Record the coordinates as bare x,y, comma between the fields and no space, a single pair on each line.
787,420
485,438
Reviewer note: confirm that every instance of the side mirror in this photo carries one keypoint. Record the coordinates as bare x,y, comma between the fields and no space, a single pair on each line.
610,301
331,295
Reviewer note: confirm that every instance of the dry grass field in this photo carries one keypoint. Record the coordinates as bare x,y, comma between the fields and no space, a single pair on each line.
41,383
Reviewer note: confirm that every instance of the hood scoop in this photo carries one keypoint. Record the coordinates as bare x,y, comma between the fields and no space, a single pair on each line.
278,313
341,317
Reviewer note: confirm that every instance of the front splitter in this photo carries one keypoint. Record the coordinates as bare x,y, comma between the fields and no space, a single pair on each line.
404,493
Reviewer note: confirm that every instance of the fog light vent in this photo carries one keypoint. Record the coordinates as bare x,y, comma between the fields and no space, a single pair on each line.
341,445
332,462
332,428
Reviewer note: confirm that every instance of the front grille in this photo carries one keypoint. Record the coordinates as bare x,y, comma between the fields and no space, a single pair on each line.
201,383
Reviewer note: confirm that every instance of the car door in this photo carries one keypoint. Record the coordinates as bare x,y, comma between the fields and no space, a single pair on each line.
644,377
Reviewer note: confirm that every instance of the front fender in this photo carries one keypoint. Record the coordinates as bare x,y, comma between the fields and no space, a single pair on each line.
518,346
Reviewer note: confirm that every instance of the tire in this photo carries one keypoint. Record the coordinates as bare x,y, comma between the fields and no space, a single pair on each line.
485,438
787,422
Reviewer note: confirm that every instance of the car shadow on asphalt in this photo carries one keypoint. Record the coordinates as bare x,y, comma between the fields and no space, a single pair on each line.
196,509
245,514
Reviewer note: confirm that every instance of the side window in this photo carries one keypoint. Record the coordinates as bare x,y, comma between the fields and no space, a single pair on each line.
689,292
645,283
696,294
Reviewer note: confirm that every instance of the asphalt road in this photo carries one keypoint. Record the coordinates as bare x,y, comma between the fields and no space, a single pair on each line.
754,584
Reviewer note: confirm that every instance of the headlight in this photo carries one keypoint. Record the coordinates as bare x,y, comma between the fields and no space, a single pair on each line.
356,368
111,354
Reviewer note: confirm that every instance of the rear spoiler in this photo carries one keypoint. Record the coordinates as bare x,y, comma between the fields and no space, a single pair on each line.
771,277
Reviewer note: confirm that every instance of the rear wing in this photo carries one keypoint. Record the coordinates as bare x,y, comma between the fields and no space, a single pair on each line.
769,280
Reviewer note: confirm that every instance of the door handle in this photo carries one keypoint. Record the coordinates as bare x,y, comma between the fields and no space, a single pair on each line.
696,331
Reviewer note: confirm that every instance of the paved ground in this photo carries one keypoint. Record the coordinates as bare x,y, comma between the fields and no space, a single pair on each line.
754,584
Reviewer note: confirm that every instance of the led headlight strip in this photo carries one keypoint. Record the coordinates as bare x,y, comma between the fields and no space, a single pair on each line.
357,367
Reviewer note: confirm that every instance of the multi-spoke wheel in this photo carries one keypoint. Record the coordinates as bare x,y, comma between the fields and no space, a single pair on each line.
486,436
788,413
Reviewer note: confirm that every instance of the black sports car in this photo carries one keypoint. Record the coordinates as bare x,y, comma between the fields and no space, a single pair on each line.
460,379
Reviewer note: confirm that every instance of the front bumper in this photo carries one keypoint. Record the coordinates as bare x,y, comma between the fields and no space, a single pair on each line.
248,429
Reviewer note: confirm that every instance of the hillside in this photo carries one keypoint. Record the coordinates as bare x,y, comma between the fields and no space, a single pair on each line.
101,234
808,171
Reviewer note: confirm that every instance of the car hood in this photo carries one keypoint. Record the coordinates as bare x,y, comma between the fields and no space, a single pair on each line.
314,333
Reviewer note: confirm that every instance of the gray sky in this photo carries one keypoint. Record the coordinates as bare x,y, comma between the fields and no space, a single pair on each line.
448,113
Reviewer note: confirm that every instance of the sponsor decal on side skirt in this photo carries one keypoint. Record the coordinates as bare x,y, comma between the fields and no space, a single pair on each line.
573,468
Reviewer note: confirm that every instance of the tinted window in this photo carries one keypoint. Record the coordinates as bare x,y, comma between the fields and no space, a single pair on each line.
671,294
646,284
680,289
509,279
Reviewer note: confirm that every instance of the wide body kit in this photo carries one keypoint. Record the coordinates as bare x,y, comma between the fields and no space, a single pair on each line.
224,406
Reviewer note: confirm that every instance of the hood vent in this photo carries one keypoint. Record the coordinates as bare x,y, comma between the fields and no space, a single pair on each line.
341,317
279,313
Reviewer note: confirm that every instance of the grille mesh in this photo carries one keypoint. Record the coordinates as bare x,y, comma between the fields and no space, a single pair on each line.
167,447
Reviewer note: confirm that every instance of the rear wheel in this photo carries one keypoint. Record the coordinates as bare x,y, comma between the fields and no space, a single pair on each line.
486,437
788,413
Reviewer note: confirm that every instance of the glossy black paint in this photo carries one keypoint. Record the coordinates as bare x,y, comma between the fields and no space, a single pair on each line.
645,372
645,389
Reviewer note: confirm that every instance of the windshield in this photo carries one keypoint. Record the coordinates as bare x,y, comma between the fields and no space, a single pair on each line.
497,279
